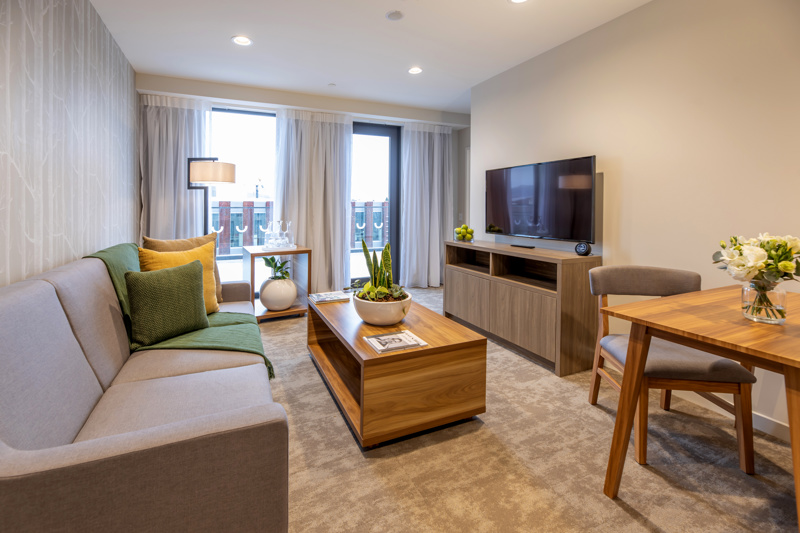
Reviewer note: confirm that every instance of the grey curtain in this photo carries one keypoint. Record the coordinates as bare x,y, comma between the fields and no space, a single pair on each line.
313,189
426,204
171,130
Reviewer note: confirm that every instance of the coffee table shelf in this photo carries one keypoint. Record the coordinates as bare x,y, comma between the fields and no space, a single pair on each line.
390,395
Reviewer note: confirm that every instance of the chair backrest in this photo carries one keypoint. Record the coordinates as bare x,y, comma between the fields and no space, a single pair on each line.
642,281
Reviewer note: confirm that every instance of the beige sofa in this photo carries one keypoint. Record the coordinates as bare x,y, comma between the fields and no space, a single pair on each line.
94,438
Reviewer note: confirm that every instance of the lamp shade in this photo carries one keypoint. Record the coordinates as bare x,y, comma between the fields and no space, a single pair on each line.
211,172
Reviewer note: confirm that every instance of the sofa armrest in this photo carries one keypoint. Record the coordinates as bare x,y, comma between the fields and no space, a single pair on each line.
222,472
236,291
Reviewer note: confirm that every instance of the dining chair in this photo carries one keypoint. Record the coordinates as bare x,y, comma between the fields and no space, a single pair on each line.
669,366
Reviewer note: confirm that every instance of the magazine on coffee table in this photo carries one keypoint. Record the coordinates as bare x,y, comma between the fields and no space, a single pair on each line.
329,297
395,340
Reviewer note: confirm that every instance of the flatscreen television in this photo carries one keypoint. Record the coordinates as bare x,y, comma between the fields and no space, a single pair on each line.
553,200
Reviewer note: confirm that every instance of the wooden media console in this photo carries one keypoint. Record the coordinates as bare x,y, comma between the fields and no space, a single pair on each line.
535,301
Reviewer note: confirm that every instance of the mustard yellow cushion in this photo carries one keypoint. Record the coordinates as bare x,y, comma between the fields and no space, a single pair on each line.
181,245
150,260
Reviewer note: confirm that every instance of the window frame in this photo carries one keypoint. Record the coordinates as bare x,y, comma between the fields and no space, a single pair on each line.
393,133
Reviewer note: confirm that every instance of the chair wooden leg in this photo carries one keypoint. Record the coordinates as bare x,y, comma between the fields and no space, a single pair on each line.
594,386
640,425
735,418
666,398
742,403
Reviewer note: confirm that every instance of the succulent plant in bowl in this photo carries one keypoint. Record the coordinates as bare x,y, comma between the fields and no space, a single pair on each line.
380,301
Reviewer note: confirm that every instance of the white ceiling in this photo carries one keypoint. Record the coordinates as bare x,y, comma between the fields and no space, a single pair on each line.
304,45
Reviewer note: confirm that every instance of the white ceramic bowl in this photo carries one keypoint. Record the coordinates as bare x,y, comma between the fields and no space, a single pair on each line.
382,313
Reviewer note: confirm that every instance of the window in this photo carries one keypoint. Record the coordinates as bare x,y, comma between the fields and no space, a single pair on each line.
374,193
246,139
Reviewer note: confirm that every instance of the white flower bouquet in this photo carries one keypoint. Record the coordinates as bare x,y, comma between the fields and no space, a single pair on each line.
764,262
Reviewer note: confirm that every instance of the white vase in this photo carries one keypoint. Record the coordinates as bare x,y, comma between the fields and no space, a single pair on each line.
382,313
277,294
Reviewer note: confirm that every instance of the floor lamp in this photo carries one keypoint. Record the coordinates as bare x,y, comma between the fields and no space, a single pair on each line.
204,172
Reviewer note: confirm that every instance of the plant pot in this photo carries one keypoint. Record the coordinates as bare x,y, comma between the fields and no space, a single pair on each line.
382,313
277,294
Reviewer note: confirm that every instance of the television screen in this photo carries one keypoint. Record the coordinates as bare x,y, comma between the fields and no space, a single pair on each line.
553,200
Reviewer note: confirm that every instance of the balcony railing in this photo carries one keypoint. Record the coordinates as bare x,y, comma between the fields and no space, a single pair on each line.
238,224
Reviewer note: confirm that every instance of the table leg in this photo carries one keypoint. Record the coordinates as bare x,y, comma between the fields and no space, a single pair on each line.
638,345
792,379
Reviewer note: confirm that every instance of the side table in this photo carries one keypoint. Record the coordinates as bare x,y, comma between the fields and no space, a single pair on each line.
300,271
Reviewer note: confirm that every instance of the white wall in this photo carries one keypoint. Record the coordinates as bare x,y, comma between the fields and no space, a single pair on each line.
693,111
68,182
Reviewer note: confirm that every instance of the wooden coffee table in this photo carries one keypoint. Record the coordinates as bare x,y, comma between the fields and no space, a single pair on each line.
390,395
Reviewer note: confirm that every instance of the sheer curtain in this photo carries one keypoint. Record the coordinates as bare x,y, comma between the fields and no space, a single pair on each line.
313,189
171,130
426,203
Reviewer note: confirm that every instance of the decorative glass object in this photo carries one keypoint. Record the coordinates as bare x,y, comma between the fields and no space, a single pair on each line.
765,302
762,262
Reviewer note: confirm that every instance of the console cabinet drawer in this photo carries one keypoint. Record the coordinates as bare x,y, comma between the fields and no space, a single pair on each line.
525,318
468,297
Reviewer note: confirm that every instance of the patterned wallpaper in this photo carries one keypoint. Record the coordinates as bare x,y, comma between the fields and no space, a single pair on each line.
68,182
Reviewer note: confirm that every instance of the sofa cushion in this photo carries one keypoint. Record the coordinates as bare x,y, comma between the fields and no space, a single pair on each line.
47,388
166,303
237,307
137,405
150,260
152,364
180,245
91,305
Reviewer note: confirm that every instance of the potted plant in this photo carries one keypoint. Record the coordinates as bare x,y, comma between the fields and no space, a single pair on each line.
278,292
381,302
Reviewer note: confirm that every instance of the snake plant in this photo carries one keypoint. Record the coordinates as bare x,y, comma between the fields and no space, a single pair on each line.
381,286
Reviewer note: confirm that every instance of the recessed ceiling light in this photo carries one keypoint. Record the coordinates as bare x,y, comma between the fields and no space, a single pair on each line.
394,15
517,1
414,70
242,40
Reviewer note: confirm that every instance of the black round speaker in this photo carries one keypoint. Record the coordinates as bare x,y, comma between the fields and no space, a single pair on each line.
583,248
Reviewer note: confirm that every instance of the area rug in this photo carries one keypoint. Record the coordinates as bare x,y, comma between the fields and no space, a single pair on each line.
535,461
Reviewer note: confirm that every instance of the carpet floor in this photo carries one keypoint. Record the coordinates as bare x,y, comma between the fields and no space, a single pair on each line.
535,461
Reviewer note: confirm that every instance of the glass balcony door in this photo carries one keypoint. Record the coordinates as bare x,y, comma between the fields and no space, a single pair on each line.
375,194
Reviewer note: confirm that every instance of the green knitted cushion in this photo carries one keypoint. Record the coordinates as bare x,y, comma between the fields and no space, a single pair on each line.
166,303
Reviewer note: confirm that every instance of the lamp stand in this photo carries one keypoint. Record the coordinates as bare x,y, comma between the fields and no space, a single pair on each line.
193,187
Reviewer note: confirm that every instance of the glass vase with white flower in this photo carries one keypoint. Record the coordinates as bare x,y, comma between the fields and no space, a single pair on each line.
763,262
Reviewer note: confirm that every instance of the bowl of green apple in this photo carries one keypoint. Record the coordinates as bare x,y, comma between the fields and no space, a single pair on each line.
464,233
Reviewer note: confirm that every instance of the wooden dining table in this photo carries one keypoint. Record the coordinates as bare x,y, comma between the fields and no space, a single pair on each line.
712,321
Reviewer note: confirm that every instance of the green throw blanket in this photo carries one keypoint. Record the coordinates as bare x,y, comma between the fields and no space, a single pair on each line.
235,332
120,259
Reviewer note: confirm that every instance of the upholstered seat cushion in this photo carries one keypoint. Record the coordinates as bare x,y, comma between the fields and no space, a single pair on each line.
128,407
237,307
672,361
154,364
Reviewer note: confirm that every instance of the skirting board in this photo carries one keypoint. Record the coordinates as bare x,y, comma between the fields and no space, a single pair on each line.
777,429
